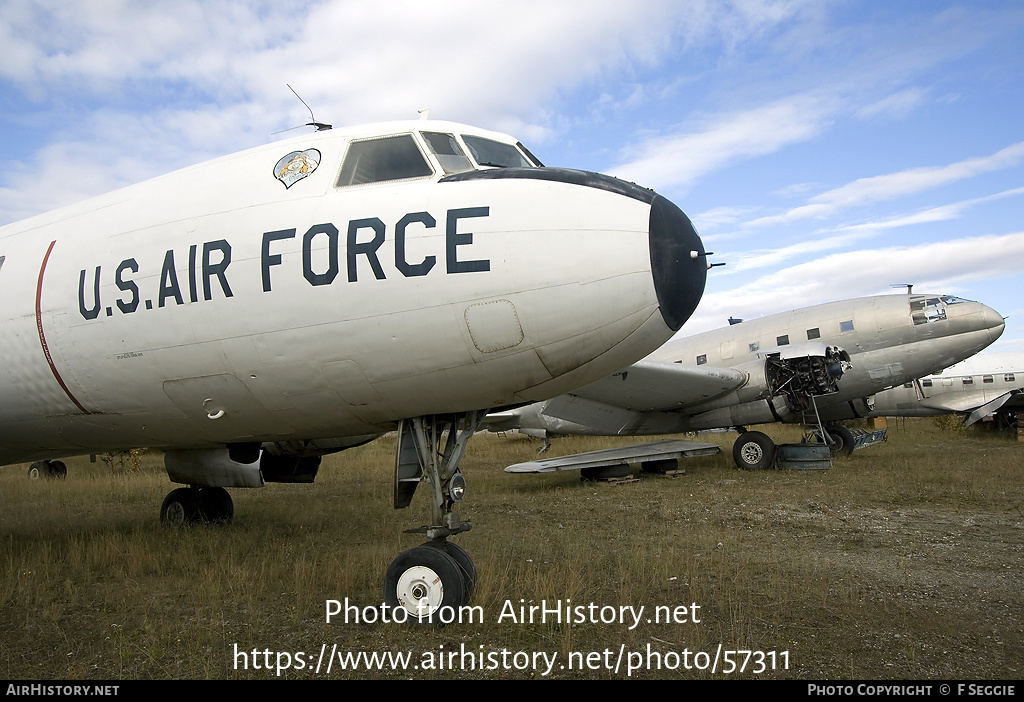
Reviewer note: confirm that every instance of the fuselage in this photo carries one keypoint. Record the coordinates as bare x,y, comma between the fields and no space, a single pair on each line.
961,388
890,340
327,286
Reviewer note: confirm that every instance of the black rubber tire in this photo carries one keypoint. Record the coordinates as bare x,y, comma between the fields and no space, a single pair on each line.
180,508
49,470
427,575
465,563
753,451
215,505
842,440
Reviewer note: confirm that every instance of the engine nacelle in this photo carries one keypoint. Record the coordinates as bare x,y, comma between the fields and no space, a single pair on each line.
802,371
795,373
213,468
854,409
246,466
754,390
759,412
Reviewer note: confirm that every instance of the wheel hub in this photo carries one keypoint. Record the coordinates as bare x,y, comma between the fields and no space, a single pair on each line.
751,453
420,591
175,514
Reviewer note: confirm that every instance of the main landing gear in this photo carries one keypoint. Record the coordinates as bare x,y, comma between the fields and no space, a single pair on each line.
754,450
427,583
52,470
190,505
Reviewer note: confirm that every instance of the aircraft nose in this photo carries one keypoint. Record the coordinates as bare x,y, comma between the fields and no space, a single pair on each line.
678,262
993,321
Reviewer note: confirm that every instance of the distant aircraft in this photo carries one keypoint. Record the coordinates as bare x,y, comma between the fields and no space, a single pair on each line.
815,366
250,314
986,385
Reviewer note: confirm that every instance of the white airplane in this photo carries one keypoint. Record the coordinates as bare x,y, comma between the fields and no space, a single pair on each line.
251,314
814,365
986,385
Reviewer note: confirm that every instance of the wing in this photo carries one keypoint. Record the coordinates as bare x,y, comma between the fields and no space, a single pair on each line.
657,451
650,386
645,398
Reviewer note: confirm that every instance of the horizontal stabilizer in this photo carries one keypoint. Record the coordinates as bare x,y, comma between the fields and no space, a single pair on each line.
988,408
501,421
973,402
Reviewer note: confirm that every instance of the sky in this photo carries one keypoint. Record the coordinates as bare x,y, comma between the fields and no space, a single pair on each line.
823,150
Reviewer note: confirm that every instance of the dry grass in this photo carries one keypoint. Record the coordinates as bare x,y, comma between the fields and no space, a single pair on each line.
903,561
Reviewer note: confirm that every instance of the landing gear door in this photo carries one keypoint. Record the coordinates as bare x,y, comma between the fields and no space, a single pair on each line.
408,471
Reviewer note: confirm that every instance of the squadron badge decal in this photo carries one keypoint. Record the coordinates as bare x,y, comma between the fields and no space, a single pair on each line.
295,166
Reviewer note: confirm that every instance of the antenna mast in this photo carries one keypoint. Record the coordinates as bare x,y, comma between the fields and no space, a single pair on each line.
320,126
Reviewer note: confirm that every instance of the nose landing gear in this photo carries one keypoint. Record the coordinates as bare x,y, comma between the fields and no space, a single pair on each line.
432,580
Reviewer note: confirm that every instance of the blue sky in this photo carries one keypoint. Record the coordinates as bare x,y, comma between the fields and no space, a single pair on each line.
824,150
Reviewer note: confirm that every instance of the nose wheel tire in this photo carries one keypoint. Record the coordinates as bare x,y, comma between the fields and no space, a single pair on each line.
465,564
427,583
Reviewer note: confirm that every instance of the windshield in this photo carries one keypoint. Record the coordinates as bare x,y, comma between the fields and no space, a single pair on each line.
488,152
924,310
449,154
383,159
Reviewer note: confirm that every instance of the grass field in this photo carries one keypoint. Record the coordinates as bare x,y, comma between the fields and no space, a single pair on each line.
902,561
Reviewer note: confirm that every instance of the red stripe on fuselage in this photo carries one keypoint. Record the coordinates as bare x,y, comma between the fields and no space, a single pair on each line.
42,336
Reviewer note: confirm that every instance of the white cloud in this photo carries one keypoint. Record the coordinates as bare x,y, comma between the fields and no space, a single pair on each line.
770,258
720,216
678,160
206,74
897,105
894,185
940,267
181,81
933,214
915,180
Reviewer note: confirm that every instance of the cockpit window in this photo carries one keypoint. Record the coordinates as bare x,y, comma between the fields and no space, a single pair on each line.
931,309
383,159
488,152
449,154
529,155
